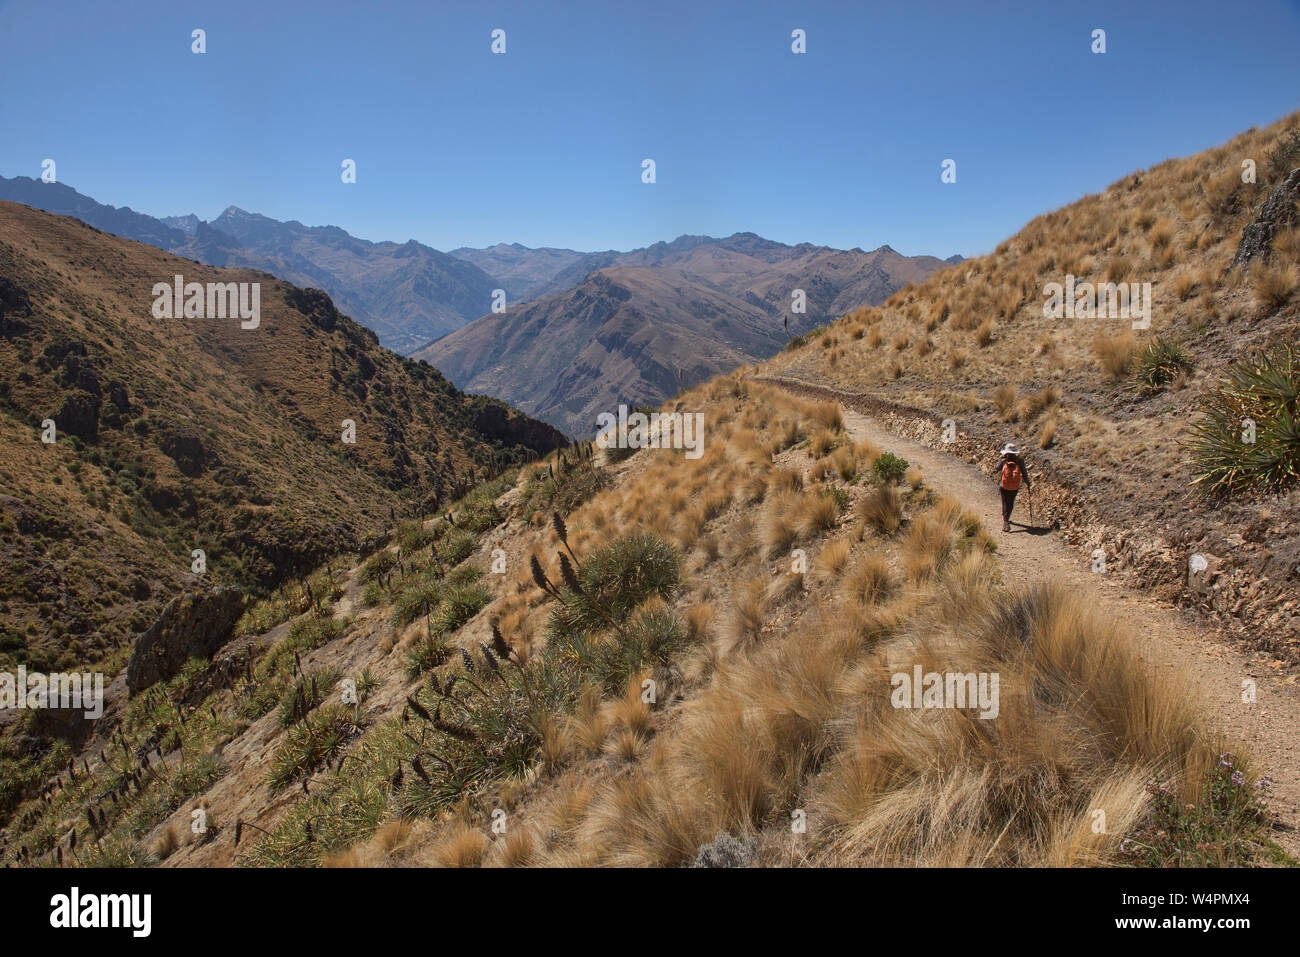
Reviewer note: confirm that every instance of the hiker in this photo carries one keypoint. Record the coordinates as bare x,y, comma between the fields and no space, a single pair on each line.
1011,473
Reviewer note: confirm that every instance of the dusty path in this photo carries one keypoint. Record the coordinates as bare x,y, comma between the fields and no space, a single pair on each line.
1270,727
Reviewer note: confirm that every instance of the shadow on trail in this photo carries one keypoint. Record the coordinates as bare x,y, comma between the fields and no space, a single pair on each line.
1020,527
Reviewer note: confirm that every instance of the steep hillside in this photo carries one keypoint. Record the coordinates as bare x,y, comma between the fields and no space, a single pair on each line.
1110,414
182,434
623,335
406,292
646,322
670,661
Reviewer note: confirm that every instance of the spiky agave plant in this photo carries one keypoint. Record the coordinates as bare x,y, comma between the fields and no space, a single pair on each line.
1249,437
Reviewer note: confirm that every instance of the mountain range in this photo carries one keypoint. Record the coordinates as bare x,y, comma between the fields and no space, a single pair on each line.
618,326
636,327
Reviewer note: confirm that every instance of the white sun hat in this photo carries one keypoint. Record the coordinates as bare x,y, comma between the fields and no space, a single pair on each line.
1011,449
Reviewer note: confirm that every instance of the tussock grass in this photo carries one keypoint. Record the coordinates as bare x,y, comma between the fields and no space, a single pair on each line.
882,509
1116,353
1274,286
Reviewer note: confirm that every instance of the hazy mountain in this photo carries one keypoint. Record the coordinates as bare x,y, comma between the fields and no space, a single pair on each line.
523,272
697,306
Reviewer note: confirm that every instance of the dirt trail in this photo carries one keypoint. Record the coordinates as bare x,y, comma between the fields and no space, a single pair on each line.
1270,726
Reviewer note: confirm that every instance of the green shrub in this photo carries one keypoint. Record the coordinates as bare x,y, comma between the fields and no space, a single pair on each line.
1161,362
615,579
459,604
428,652
564,491
379,565
456,546
417,601
320,737
889,468
304,695
1259,400
413,536
649,640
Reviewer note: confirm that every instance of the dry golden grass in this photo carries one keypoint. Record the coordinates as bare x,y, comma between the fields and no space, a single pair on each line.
778,525
518,848
832,559
814,513
1286,244
589,723
1018,791
464,848
866,453
821,443
630,711
984,334
867,582
1115,354
882,509
915,477
1161,234
1035,405
928,545
1004,400
845,463
699,620
1184,285
825,414
1047,435
748,613
1273,286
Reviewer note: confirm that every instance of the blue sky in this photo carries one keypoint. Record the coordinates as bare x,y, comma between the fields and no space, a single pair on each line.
543,145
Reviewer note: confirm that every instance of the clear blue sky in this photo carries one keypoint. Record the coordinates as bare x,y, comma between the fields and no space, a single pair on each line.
543,145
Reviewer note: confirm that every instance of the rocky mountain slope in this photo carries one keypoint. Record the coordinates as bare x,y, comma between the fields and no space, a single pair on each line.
406,292
646,322
178,434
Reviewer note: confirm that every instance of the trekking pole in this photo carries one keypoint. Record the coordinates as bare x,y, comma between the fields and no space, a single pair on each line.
1030,495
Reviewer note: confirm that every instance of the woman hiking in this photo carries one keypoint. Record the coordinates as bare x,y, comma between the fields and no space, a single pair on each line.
1011,474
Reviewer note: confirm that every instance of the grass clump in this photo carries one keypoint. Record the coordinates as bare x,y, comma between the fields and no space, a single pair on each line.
614,580
318,738
1249,438
1161,362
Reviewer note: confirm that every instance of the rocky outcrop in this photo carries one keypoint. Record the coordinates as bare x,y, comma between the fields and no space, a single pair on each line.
192,625
1276,212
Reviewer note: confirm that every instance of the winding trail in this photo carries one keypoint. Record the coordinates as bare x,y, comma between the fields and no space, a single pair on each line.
1165,636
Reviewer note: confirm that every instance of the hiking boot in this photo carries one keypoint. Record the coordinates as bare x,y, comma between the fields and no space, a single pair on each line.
1006,526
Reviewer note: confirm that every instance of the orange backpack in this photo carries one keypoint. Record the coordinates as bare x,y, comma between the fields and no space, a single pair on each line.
1010,476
